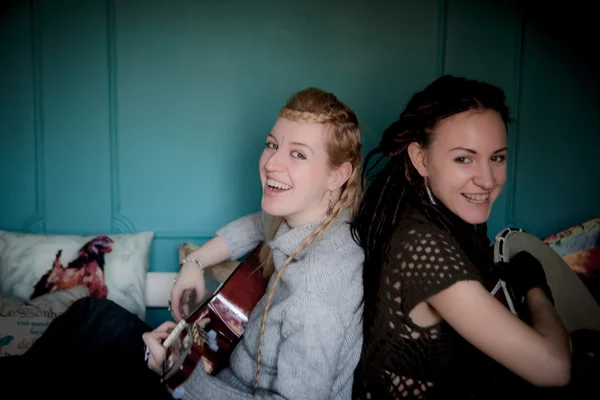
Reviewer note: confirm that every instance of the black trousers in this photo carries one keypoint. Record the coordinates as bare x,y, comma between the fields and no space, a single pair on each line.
93,350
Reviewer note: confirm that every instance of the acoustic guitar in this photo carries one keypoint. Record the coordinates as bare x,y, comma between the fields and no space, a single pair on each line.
211,331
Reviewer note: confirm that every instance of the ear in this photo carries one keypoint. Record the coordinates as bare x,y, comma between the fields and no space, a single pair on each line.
339,176
417,157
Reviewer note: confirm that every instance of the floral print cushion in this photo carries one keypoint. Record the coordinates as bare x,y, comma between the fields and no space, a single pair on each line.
579,246
111,266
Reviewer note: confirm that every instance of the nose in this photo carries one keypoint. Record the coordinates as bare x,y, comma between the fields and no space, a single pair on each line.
485,177
274,161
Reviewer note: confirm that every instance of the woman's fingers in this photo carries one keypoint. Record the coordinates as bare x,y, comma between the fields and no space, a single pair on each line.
165,326
175,306
154,342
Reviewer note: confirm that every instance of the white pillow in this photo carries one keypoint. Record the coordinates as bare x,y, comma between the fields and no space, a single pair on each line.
26,257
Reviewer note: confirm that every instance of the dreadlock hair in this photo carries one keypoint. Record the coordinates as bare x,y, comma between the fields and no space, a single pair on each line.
314,105
398,181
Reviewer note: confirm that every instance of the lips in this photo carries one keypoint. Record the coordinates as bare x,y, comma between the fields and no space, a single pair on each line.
476,197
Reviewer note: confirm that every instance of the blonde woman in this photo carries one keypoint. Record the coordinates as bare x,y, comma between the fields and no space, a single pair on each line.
303,338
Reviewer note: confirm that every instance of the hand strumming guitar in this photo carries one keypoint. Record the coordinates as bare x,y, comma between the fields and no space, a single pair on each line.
188,289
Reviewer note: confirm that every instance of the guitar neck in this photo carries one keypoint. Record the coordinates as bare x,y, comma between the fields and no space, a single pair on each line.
175,333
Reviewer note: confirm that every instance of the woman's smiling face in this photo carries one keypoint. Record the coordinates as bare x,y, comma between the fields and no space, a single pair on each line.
466,163
295,172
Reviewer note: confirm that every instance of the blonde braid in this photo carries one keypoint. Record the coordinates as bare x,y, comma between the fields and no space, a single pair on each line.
310,117
318,231
266,253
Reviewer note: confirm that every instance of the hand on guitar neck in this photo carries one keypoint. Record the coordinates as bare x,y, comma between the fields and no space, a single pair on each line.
154,342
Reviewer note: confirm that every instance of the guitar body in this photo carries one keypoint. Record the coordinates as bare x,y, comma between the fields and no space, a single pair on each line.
211,331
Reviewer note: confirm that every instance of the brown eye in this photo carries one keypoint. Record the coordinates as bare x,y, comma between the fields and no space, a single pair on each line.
297,154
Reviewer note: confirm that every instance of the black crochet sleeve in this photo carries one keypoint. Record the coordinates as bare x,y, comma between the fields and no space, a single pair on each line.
424,261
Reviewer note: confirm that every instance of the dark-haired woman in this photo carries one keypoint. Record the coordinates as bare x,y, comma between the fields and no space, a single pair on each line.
432,329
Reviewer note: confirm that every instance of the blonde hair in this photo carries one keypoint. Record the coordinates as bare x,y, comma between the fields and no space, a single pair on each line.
314,105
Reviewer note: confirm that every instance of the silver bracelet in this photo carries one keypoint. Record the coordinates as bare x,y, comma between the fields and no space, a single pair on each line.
193,260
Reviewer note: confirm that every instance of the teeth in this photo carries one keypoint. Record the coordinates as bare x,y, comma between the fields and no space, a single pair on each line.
278,185
477,198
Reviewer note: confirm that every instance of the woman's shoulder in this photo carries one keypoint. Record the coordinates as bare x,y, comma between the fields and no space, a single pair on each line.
417,237
414,226
426,259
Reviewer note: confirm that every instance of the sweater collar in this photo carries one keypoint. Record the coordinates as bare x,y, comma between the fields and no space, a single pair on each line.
288,239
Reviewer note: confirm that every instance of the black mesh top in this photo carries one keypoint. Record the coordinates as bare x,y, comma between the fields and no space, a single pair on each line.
401,360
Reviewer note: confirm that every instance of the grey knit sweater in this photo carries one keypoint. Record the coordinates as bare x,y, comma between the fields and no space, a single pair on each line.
313,335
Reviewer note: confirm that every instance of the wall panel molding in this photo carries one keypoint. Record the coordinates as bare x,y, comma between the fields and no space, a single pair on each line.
513,138
36,223
160,234
119,223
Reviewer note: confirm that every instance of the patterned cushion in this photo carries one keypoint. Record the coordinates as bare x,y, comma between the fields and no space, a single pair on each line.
112,266
23,322
579,246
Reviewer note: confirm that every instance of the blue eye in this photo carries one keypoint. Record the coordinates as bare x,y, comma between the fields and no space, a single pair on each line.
270,145
297,154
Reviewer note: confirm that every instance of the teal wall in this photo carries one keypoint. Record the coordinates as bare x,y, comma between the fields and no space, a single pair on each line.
123,115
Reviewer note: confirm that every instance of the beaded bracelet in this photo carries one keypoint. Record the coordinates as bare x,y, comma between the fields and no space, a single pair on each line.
193,260
187,260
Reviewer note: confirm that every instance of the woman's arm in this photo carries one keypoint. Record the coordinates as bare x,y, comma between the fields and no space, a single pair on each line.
540,353
211,253
231,242
545,320
243,235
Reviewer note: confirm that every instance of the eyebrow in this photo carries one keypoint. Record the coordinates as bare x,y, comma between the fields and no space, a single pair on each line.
474,152
302,145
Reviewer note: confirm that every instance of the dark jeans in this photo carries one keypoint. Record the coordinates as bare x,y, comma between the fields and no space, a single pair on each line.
93,350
